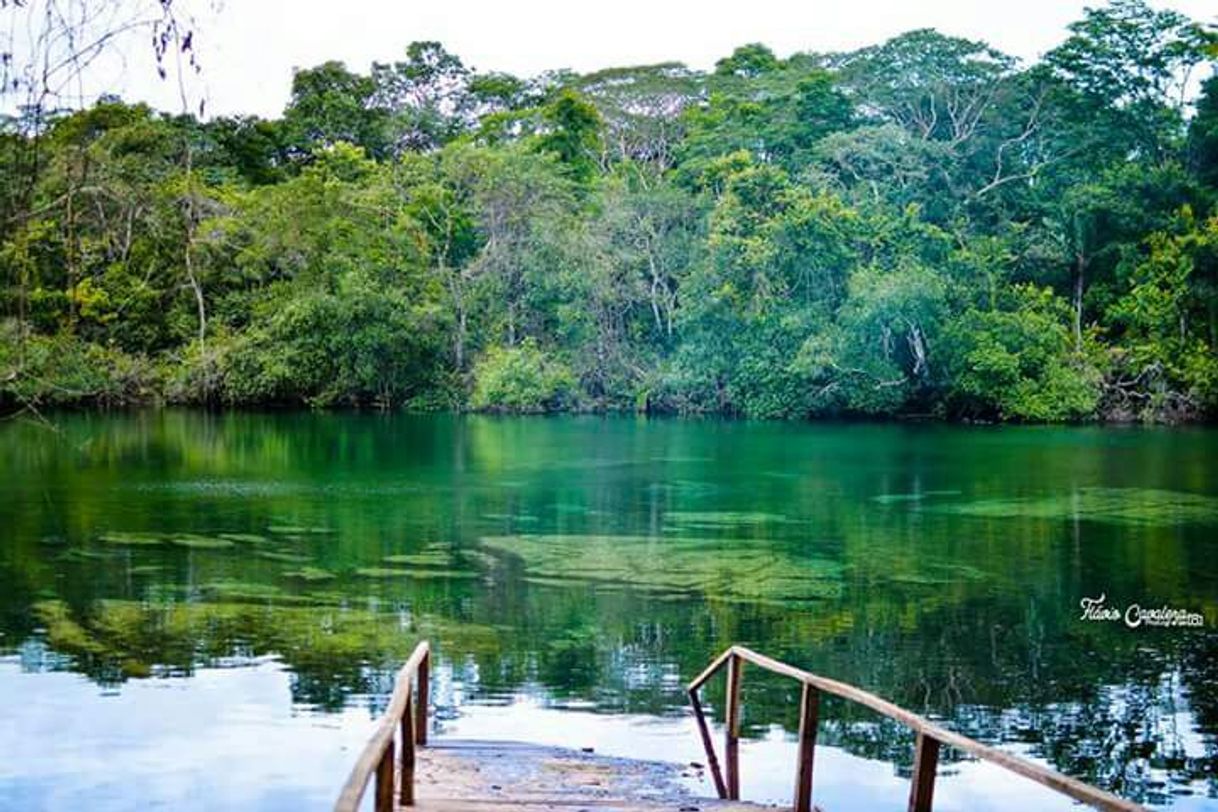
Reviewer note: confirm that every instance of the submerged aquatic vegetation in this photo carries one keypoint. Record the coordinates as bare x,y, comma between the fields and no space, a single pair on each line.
1130,506
916,496
233,591
431,557
379,572
732,569
421,574
724,517
132,539
298,530
79,554
197,542
243,538
283,557
241,591
310,574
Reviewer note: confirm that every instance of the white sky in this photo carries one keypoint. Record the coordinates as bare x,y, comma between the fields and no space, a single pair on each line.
248,47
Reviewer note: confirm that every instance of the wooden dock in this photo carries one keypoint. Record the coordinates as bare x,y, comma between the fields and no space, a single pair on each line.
472,776
485,776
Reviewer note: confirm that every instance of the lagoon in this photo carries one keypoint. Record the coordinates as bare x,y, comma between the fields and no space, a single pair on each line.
205,609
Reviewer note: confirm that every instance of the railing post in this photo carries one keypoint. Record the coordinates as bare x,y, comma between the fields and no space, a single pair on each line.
712,763
424,689
732,749
384,780
809,716
407,726
926,761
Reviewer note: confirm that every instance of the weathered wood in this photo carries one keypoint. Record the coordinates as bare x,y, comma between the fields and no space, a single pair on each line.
384,780
712,763
809,717
732,746
1064,784
710,670
408,744
497,776
371,759
926,762
424,683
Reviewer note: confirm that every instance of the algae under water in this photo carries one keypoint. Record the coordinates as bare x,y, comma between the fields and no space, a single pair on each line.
271,571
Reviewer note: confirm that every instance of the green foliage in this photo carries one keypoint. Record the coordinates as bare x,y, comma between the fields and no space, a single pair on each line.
1018,362
521,379
881,356
331,104
37,370
1167,341
355,345
573,134
919,227
1203,134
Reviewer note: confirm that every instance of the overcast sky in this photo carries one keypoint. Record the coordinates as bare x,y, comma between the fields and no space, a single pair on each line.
248,48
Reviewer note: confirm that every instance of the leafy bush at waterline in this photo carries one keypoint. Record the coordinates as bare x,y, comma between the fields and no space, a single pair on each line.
521,379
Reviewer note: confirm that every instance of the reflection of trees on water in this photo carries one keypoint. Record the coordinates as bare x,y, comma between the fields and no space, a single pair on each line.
1145,737
974,622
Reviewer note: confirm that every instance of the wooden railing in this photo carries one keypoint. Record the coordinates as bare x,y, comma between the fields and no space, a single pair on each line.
929,738
406,714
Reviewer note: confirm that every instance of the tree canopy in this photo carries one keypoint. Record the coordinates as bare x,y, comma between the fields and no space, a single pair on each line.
923,227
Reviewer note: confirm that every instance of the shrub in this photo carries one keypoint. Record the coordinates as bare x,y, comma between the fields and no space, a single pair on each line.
63,370
1019,362
521,379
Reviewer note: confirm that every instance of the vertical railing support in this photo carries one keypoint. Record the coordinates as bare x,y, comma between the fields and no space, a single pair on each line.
384,780
712,763
732,749
809,716
424,689
407,727
926,761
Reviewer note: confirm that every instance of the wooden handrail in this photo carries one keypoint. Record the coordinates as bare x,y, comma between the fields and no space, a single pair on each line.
929,738
403,714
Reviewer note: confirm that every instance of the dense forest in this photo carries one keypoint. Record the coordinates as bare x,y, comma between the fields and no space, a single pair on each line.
924,227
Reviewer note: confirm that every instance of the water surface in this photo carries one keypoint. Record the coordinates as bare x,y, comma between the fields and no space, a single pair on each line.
205,610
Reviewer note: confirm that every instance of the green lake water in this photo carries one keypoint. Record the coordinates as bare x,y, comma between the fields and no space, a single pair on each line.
205,610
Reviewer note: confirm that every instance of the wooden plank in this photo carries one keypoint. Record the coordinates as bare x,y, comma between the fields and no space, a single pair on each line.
1064,784
710,670
382,735
809,717
732,749
407,789
834,687
926,762
712,762
384,781
472,775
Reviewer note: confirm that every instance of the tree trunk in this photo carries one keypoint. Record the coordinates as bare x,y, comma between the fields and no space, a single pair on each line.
1080,272
188,256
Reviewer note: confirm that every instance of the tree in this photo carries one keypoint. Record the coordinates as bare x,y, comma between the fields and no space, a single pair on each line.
923,226
1203,135
1018,361
1131,64
520,379
427,98
330,104
881,355
1167,367
572,134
